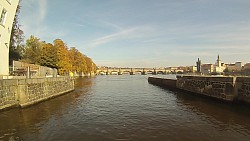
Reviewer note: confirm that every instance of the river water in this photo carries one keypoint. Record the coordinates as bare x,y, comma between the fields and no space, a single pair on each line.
121,108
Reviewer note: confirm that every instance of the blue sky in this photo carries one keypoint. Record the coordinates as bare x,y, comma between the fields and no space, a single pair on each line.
144,33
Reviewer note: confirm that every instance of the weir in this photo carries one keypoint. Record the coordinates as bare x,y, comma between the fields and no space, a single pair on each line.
223,88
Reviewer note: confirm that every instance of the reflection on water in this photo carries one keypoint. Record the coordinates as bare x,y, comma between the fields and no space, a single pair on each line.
126,108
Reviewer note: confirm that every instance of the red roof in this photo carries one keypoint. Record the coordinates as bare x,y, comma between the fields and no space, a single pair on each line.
247,65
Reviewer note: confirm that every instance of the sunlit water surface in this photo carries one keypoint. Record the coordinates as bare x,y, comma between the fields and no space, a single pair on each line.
126,108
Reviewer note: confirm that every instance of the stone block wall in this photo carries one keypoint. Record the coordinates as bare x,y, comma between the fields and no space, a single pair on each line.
8,93
243,88
25,92
167,83
224,88
41,89
218,87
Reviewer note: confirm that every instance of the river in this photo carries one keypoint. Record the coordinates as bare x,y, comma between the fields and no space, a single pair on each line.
126,108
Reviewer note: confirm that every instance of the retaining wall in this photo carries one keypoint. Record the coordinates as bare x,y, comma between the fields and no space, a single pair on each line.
224,88
8,93
25,92
243,89
168,83
218,87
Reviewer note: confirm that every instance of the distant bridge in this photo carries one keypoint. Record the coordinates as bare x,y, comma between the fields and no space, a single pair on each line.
133,71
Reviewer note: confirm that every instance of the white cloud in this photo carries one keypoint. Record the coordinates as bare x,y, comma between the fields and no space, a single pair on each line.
130,33
42,9
32,20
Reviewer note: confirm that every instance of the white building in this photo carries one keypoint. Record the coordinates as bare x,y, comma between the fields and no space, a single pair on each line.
7,11
218,67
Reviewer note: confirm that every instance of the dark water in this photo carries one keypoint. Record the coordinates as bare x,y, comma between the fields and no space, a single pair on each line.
126,108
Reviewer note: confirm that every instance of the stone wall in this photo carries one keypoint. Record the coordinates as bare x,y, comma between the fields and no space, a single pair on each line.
167,83
224,87
218,87
243,89
25,92
8,93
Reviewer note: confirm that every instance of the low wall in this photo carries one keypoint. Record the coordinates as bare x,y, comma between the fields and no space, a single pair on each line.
218,87
243,89
224,88
25,92
168,83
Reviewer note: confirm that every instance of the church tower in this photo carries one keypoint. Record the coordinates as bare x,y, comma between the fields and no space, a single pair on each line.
198,65
218,62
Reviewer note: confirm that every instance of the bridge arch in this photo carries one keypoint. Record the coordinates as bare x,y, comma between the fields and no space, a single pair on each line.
160,72
113,72
126,72
102,73
138,72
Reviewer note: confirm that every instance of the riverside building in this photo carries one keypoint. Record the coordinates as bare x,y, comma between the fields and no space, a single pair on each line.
218,67
7,14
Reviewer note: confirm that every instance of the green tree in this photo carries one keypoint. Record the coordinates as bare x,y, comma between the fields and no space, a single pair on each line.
33,50
16,49
48,56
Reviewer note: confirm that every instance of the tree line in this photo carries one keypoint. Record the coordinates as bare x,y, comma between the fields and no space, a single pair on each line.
55,55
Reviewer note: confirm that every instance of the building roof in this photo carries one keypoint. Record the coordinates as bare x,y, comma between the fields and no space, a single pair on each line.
206,64
247,65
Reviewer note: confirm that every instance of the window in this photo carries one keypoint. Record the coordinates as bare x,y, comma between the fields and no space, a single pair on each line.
3,16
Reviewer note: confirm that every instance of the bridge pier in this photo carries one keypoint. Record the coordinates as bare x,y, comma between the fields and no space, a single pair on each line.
119,72
131,73
143,72
154,72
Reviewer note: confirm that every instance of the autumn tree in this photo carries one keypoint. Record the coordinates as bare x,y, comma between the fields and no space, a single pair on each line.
91,66
77,61
57,55
63,64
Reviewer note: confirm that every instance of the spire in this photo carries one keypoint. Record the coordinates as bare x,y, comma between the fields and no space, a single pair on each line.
218,61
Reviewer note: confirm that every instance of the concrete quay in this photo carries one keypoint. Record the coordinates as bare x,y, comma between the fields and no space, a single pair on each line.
26,92
224,88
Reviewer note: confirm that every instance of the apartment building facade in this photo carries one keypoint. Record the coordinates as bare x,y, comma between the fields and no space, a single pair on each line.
7,11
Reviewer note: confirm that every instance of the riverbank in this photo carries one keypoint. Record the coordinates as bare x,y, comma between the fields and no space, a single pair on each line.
26,92
224,88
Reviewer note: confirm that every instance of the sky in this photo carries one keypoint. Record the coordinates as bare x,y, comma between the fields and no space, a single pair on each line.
144,33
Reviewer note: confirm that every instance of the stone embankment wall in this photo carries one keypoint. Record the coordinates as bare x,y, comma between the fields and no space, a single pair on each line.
8,93
243,89
168,83
224,88
25,92
218,87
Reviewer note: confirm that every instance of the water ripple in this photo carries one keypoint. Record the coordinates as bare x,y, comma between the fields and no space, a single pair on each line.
126,108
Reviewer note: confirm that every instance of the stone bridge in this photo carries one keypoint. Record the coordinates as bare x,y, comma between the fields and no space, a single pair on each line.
133,71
